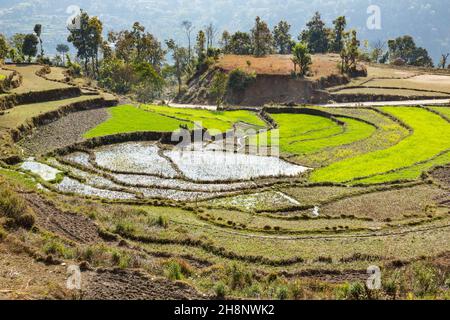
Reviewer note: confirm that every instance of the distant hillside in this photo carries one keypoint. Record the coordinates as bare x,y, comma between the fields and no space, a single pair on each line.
427,20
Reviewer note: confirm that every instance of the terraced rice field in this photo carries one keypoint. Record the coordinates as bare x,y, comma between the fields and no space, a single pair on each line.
353,187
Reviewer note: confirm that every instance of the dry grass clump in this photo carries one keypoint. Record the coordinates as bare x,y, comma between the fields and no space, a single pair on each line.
15,209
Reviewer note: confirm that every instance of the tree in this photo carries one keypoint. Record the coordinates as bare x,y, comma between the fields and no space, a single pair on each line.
181,60
96,40
378,50
301,58
225,42
315,36
29,48
38,32
282,37
219,87
188,28
17,43
405,48
339,28
211,33
262,40
62,49
240,43
80,38
444,58
87,39
350,52
4,48
200,47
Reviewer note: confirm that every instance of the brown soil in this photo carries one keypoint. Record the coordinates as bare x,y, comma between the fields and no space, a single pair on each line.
323,65
64,131
133,285
442,175
68,225
21,277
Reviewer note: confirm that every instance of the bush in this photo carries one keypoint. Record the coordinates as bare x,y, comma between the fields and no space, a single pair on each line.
121,259
425,279
220,290
178,269
238,277
14,208
124,228
282,293
162,222
239,80
56,247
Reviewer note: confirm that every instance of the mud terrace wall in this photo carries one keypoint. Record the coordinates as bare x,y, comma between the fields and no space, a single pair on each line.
266,89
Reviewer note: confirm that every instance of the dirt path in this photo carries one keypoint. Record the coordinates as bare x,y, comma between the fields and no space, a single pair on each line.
65,131
433,102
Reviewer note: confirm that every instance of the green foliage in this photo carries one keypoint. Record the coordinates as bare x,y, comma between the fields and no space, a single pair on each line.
124,228
262,39
55,247
301,58
4,48
238,277
350,52
176,269
240,43
405,49
315,36
29,47
220,290
282,38
163,222
239,80
339,28
219,87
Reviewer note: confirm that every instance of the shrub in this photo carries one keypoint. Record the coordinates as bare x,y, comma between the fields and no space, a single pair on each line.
3,233
121,259
162,222
425,280
238,278
356,291
14,207
239,80
173,271
220,290
56,247
124,228
177,269
282,292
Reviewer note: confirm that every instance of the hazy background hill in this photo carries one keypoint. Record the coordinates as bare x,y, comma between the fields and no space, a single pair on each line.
426,20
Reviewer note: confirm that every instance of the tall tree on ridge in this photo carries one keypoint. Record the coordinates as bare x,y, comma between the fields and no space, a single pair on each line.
262,39
188,28
315,35
282,37
38,32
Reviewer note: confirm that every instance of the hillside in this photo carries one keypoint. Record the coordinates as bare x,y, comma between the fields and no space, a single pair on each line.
324,83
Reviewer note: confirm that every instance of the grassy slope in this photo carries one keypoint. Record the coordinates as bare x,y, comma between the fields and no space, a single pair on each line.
127,118
20,114
305,134
431,136
220,121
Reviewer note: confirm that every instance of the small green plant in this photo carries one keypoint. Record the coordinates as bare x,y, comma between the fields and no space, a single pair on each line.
57,248
177,269
163,222
239,80
121,259
220,290
282,292
124,228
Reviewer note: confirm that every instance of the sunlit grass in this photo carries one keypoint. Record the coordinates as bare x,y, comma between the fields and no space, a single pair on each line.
431,136
127,118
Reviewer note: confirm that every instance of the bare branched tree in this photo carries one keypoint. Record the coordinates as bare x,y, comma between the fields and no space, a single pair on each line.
188,28
211,33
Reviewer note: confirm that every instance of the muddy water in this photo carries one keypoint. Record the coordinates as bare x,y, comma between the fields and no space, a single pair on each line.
44,171
223,166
